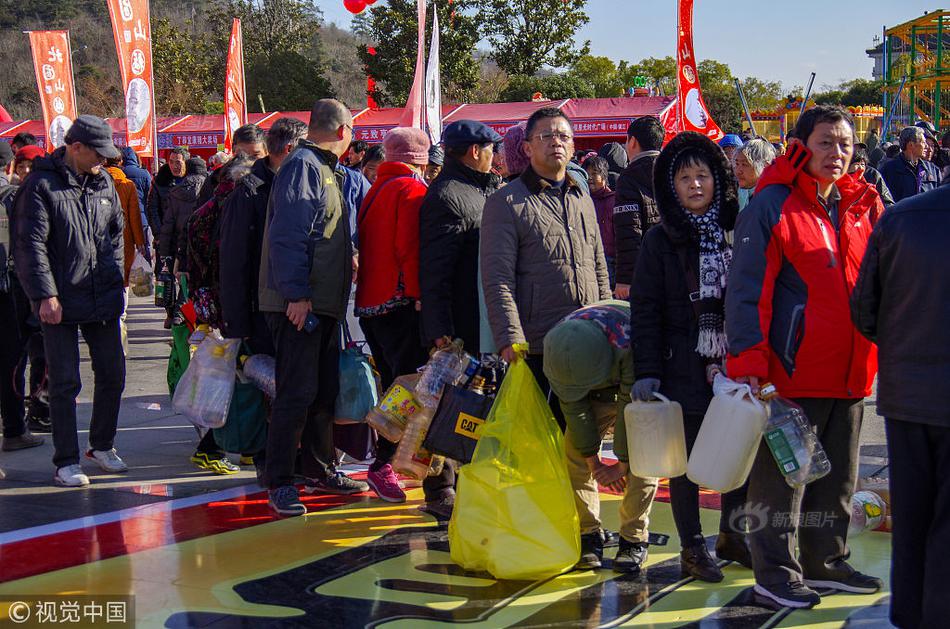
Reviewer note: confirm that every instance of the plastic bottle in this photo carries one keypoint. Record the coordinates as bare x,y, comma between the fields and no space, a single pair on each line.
792,440
868,511
205,397
411,458
201,332
260,369
446,366
390,417
478,385
656,438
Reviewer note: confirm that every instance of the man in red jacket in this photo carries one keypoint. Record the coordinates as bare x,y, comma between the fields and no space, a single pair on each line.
798,248
387,286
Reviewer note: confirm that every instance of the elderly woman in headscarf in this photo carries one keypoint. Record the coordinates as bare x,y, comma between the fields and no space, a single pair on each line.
748,162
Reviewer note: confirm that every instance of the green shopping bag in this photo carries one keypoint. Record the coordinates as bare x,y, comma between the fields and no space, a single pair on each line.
514,510
245,430
179,357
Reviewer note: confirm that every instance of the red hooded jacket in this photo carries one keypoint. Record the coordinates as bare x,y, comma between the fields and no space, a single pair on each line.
788,319
388,228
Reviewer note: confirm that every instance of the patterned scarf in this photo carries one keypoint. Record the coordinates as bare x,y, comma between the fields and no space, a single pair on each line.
715,257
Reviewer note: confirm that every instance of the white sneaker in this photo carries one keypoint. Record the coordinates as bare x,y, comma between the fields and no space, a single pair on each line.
108,460
71,476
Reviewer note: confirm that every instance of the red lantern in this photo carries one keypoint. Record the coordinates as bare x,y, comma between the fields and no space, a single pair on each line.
369,2
354,6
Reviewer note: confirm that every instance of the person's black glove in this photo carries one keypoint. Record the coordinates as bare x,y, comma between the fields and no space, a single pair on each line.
644,388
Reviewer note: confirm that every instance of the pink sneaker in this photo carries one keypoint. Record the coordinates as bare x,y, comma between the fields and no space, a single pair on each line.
385,484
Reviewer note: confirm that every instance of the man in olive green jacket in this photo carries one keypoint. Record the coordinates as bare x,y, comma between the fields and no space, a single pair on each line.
589,363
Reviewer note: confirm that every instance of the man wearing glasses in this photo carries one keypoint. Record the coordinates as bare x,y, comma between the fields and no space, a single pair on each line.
68,253
305,277
541,254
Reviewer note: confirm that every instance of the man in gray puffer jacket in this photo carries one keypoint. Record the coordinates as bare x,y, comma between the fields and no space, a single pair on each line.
541,255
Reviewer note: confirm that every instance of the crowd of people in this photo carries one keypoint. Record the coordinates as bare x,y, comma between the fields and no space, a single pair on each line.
643,268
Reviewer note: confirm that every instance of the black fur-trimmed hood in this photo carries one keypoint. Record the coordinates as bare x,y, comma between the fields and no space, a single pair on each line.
674,222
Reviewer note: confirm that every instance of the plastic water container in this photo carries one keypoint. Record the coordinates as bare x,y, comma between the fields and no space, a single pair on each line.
656,439
728,438
868,511
792,440
411,458
390,417
260,370
446,366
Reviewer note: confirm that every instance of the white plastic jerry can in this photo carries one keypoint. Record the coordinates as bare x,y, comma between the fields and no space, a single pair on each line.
656,441
728,438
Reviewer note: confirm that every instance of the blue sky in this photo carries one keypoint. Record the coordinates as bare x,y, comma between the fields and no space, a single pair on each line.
782,41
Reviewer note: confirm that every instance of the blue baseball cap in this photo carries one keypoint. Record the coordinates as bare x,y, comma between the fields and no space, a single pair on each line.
466,132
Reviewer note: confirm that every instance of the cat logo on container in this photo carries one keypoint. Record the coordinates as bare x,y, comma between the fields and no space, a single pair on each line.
467,425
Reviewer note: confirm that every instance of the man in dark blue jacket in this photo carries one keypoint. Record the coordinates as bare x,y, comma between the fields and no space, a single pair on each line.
905,277
909,173
68,254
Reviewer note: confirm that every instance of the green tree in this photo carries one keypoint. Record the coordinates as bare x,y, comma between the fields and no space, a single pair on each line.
553,87
660,72
394,28
762,95
720,94
527,35
184,68
601,74
853,93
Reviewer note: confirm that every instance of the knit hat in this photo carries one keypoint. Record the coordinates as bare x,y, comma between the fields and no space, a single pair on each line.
407,145
6,154
195,166
515,158
28,153
577,358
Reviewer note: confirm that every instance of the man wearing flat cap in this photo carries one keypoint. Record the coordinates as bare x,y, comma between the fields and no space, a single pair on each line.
68,253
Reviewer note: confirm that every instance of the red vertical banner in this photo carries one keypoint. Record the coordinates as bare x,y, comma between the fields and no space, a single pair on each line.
53,65
235,96
133,43
692,113
414,114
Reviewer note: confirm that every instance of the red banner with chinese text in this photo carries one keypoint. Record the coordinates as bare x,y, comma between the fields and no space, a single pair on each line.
53,65
235,98
692,114
133,43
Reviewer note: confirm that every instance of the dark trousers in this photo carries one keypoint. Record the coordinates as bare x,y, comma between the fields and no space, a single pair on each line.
684,498
920,508
11,351
395,341
536,364
307,373
820,524
61,343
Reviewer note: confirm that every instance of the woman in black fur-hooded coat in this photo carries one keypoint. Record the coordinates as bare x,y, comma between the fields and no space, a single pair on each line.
677,320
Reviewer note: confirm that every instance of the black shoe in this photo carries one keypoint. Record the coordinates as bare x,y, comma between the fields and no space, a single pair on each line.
24,441
336,483
696,562
611,538
631,556
39,424
855,582
285,501
440,509
592,551
734,547
795,595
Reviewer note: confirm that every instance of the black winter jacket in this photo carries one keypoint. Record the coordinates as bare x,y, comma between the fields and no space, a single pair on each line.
157,198
242,235
634,213
905,180
449,223
616,156
664,327
69,240
900,302
180,204
873,177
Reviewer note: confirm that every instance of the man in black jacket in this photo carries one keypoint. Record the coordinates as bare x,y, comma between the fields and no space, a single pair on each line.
242,234
68,254
905,277
635,208
449,223
168,176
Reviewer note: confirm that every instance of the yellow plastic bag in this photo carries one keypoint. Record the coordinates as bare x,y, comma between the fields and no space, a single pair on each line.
514,513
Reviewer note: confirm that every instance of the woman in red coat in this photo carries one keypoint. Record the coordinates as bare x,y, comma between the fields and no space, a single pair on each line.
387,287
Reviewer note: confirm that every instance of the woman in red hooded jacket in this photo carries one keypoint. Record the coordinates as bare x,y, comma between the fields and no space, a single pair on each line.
798,248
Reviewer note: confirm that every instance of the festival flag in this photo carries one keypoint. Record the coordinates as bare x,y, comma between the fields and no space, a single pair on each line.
133,43
235,97
434,86
692,113
53,64
414,113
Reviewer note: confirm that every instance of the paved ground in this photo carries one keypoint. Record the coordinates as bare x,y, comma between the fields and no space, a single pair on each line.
157,444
